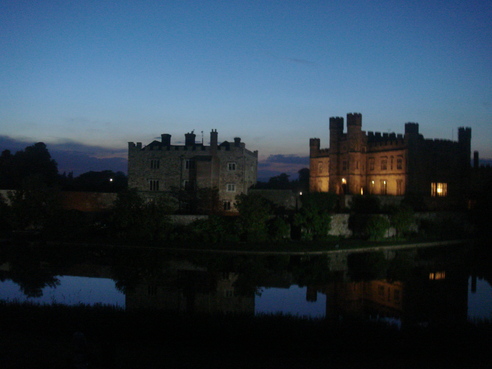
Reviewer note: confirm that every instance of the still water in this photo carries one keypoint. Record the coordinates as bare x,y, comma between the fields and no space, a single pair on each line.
420,286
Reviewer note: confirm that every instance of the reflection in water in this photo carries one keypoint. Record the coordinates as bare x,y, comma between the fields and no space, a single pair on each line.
294,301
69,291
425,286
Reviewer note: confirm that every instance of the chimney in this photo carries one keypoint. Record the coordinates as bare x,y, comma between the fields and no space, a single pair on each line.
214,136
476,161
166,139
237,141
190,139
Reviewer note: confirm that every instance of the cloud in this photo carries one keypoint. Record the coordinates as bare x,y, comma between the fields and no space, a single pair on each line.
277,164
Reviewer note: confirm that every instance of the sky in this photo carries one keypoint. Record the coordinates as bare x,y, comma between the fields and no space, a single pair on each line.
87,77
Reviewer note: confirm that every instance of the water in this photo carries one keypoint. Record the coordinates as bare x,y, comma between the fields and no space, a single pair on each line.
419,286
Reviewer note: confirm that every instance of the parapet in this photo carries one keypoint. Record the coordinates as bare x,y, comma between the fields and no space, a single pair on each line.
354,119
336,123
411,128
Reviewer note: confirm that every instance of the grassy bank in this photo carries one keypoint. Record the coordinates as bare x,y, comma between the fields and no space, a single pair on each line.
34,336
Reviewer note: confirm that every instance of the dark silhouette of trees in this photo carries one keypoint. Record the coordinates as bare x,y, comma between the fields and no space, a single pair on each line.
103,181
34,161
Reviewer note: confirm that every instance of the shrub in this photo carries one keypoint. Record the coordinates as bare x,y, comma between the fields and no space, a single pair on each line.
376,227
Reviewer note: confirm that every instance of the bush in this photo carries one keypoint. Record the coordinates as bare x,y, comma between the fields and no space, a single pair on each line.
376,227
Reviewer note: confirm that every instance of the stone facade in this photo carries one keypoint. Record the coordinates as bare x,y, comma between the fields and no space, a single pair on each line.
389,164
161,167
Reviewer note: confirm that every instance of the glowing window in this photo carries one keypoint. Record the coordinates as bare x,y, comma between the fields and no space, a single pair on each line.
437,275
439,189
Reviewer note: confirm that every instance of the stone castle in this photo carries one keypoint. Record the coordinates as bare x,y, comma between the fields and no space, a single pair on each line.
389,164
161,167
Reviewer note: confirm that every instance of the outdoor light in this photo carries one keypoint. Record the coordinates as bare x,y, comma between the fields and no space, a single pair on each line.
344,180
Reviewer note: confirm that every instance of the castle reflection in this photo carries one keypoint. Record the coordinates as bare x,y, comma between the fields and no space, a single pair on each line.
412,287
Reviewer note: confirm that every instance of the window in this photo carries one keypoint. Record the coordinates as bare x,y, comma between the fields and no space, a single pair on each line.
190,164
391,163
439,189
227,205
154,185
154,164
399,187
320,167
231,187
371,163
188,185
371,187
399,163
384,187
231,166
384,164
437,275
396,295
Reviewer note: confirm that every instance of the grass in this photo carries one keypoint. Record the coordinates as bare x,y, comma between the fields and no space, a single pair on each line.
34,336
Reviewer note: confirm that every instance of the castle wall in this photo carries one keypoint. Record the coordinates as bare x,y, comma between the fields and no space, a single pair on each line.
388,163
161,167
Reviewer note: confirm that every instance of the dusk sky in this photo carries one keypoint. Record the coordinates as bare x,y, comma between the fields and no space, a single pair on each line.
87,77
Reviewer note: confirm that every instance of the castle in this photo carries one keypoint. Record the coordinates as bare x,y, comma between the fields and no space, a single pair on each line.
162,167
389,164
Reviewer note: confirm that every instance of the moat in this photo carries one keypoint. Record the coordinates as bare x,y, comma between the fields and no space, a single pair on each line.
432,285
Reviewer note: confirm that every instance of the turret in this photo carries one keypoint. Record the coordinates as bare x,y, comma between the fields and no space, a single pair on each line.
354,129
314,144
336,131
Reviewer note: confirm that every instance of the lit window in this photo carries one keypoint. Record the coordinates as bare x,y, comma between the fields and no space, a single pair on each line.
439,189
399,187
154,185
384,187
437,275
371,187
154,164
231,187
231,166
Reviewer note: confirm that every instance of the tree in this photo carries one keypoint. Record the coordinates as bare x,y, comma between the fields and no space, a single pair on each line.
402,219
314,216
254,213
134,219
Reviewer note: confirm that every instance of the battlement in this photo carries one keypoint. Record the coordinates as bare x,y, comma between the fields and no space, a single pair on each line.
336,123
354,119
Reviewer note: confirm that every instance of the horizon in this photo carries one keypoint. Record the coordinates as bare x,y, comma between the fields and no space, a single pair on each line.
86,78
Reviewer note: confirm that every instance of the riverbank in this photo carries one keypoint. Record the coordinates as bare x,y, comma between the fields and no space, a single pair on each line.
34,336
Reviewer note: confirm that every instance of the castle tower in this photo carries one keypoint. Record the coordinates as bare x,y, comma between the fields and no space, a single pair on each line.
314,145
336,134
354,163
